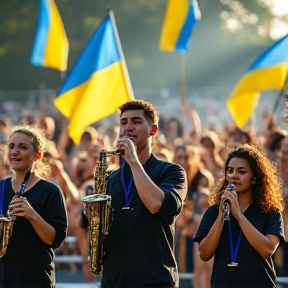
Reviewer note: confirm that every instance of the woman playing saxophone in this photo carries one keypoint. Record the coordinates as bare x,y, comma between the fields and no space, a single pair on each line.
40,215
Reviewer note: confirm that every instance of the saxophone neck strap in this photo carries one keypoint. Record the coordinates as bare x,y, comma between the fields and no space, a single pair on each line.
23,184
2,186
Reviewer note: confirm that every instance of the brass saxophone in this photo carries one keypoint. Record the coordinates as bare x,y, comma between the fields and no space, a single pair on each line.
6,223
6,226
99,212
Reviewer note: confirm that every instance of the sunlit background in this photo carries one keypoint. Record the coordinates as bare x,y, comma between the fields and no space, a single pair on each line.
229,37
239,17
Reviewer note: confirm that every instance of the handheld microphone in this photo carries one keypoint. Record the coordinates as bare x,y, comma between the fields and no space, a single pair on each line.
230,187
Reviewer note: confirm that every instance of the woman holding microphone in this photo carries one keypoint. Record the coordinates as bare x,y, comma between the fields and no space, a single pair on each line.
243,244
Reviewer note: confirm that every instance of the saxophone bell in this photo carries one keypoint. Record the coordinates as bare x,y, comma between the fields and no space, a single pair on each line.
6,223
6,226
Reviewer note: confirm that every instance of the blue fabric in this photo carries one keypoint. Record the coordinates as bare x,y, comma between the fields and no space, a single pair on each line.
127,190
186,31
232,251
2,196
275,55
42,32
95,57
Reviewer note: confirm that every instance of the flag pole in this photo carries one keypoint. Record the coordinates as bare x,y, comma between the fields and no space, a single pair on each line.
183,81
125,70
284,91
285,118
183,96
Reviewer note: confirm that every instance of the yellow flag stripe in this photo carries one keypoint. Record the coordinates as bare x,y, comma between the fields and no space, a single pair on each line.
57,47
176,10
94,99
245,96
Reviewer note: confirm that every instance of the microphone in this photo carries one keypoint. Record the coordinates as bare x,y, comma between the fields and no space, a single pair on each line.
230,187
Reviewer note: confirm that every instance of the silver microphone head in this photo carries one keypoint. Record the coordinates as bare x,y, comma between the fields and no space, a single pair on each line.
231,186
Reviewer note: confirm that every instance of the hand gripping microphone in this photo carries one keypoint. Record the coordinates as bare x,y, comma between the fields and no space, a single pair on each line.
230,187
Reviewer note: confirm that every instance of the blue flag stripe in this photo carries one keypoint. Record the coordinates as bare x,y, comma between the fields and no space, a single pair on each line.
185,33
37,57
95,57
276,54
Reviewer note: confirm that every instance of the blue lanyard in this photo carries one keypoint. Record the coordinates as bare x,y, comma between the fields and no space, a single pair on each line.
2,196
21,190
23,184
127,192
232,251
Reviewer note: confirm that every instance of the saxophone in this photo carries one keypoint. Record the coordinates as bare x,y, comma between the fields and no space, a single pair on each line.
6,226
6,223
99,212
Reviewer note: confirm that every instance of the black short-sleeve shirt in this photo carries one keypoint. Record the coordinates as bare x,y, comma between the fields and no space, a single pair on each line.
28,261
253,271
139,247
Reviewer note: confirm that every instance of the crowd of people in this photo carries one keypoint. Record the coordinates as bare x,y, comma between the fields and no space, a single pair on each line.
204,156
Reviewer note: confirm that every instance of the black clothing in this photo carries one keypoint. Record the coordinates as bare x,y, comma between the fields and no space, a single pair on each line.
29,262
139,247
253,270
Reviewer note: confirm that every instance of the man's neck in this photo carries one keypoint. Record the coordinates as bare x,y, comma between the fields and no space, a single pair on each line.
144,155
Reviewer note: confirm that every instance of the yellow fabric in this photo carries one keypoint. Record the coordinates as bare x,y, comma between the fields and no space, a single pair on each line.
175,17
245,96
94,99
56,53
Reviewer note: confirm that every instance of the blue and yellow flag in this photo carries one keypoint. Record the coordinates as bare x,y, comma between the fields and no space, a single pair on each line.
99,82
269,71
51,45
180,19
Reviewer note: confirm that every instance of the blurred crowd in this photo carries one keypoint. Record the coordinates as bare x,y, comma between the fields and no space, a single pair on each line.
200,152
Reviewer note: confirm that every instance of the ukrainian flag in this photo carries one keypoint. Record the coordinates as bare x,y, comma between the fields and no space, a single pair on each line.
51,45
99,82
180,19
269,71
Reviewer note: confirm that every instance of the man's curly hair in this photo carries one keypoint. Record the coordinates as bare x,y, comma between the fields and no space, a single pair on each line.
267,190
148,108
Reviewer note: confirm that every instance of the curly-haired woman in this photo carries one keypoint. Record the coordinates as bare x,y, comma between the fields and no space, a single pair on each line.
41,221
243,245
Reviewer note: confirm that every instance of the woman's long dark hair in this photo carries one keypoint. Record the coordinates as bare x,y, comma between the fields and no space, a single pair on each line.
267,190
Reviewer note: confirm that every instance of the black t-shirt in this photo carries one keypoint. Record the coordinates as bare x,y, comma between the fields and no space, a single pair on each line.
28,261
139,247
253,271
